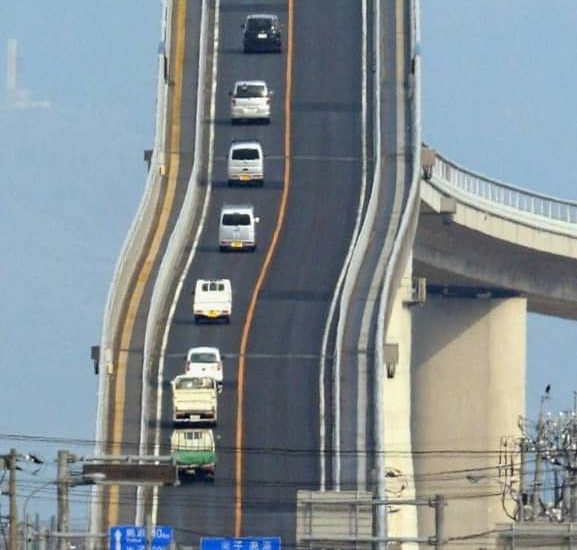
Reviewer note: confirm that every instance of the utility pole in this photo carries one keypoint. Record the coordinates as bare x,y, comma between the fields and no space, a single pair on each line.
13,537
537,480
522,489
63,511
439,504
572,467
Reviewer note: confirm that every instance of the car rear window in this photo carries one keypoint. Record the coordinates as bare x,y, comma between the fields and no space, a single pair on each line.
251,90
257,24
202,358
245,154
235,219
213,287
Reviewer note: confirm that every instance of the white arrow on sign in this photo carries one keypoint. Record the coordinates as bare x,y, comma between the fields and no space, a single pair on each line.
117,539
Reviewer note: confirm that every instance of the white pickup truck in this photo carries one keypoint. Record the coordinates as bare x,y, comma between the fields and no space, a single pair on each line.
212,299
194,399
205,361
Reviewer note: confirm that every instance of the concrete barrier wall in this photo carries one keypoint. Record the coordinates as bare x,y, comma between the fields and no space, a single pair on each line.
130,255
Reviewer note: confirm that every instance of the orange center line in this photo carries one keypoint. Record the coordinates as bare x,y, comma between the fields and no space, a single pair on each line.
260,280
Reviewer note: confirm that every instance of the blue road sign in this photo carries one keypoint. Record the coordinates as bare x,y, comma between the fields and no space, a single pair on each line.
127,537
161,537
242,543
131,537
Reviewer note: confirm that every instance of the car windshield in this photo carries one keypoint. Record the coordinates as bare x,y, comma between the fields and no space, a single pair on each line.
245,154
250,90
202,357
235,219
258,24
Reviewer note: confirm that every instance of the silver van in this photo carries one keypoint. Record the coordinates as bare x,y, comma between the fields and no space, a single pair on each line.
237,227
250,100
245,163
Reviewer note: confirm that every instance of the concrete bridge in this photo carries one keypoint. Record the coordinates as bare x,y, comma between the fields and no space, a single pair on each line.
489,252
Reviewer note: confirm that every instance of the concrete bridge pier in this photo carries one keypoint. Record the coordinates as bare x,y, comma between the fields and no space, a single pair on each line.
468,390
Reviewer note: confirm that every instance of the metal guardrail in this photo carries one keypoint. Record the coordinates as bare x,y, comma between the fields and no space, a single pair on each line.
504,194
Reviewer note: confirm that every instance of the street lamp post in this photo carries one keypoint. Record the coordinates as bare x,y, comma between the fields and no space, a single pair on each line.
89,479
25,509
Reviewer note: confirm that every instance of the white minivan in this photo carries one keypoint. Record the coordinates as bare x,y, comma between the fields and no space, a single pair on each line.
245,163
237,227
205,361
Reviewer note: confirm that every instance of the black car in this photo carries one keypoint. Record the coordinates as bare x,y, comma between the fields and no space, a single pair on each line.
262,33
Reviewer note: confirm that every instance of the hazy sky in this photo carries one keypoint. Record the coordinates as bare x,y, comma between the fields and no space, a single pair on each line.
498,97
499,90
72,177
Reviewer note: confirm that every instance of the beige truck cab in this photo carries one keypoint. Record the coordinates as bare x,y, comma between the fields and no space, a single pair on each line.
194,399
212,300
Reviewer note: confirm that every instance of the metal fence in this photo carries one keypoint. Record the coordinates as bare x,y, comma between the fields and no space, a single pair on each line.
504,194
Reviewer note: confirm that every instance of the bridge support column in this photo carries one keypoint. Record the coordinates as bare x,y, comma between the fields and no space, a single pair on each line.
468,390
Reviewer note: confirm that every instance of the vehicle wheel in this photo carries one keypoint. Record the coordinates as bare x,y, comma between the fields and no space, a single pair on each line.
222,248
267,120
197,319
227,320
230,183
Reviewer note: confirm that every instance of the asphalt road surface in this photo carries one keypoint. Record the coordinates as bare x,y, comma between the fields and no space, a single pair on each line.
280,413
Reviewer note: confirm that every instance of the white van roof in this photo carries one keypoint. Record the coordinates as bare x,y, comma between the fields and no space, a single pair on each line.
239,208
241,83
246,145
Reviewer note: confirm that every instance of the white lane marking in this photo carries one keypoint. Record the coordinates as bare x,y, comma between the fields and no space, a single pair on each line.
361,378
337,292
196,239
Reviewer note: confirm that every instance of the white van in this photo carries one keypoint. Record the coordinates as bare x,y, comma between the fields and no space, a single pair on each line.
245,163
212,300
250,100
205,361
237,228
